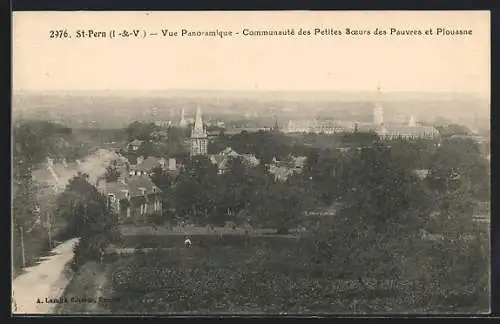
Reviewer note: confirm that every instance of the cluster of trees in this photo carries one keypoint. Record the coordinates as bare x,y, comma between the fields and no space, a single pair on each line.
384,205
35,140
372,177
87,216
459,162
267,145
242,194
157,141
23,207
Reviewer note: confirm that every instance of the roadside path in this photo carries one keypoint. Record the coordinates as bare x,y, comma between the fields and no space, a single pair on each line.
48,279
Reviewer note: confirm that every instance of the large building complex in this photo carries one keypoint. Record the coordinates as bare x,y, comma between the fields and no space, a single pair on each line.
385,130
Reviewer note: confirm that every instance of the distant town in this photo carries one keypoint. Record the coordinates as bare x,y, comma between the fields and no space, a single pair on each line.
160,197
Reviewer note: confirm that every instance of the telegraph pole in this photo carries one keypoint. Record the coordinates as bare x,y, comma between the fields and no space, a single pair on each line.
49,229
23,254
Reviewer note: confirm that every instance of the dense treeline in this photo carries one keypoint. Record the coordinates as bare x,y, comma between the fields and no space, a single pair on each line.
157,141
269,145
35,141
380,175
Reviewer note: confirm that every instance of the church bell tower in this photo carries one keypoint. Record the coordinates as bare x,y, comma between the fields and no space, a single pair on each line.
199,137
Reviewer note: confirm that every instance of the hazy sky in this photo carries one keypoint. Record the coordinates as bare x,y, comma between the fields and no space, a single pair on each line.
338,63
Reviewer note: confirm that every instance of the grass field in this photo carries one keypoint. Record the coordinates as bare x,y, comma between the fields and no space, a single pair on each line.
263,275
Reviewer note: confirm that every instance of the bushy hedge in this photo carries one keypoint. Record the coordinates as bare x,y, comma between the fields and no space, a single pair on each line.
91,248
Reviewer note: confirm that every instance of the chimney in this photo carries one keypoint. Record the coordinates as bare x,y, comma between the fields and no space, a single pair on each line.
162,163
78,162
65,163
171,164
125,192
50,162
140,159
143,191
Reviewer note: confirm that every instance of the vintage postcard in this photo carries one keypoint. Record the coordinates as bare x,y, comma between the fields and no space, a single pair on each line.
251,163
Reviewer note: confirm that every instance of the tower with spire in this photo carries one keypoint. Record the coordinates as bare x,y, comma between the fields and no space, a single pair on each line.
378,110
199,137
182,122
276,127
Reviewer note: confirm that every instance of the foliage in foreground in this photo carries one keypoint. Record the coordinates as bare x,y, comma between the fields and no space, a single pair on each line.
271,276
86,213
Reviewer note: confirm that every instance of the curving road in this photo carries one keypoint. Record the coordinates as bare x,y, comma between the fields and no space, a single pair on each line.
44,280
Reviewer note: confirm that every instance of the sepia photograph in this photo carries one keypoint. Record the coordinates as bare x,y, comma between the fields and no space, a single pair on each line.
293,163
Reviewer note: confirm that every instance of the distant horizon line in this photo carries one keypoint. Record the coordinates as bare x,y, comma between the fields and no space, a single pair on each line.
478,95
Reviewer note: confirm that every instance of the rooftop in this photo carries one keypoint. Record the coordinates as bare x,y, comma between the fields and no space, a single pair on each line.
407,130
117,188
135,183
134,187
149,163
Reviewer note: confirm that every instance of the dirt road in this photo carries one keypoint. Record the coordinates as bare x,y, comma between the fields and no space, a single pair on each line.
47,279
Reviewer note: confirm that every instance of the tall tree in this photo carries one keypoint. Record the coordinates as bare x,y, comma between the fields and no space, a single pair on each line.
88,217
112,174
459,162
23,206
196,190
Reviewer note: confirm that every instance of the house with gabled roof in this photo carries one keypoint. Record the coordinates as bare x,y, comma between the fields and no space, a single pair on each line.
134,199
55,175
223,158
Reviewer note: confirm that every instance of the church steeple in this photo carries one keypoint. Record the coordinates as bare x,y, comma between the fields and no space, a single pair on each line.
198,123
276,127
199,137
182,122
